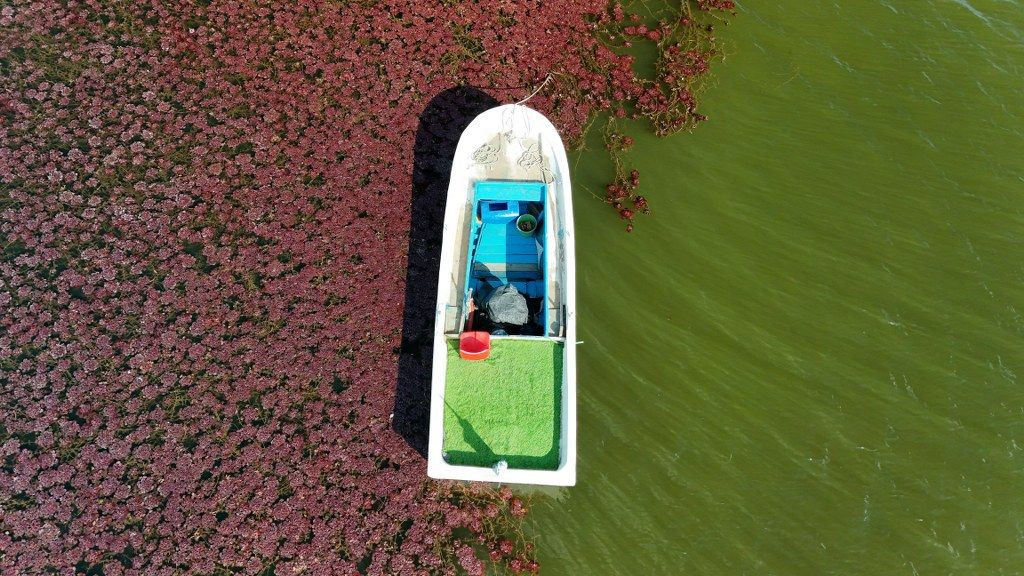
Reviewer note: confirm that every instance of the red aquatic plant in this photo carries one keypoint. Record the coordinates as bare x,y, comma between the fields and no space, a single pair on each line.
668,99
204,218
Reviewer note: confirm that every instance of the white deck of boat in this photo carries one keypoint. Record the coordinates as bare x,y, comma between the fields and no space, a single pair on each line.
501,144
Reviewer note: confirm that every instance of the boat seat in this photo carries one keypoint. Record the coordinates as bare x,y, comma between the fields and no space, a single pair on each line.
500,269
524,190
505,253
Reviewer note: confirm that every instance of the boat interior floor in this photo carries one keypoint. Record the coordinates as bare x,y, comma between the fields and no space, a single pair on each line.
507,248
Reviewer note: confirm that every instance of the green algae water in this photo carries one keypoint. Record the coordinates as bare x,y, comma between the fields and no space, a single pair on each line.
810,358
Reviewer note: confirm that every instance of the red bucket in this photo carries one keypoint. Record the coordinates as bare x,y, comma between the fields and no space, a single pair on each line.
475,345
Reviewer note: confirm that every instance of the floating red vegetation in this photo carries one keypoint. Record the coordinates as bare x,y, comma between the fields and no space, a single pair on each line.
668,100
204,216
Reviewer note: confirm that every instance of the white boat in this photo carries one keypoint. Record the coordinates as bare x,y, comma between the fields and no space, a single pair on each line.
503,390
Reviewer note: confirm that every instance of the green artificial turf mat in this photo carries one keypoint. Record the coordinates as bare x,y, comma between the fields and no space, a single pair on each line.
508,407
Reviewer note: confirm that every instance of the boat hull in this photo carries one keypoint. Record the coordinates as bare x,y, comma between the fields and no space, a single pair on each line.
507,144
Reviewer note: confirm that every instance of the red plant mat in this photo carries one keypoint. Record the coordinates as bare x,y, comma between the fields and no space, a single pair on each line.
205,218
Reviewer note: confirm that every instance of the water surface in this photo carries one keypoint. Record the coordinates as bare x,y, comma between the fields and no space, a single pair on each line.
809,360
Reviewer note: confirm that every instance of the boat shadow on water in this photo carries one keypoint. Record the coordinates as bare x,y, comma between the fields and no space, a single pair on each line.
441,125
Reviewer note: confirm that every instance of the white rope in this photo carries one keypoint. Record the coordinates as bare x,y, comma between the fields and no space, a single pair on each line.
508,119
531,158
534,93
485,154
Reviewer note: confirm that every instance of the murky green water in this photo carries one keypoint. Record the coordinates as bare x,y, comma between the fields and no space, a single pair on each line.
810,359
